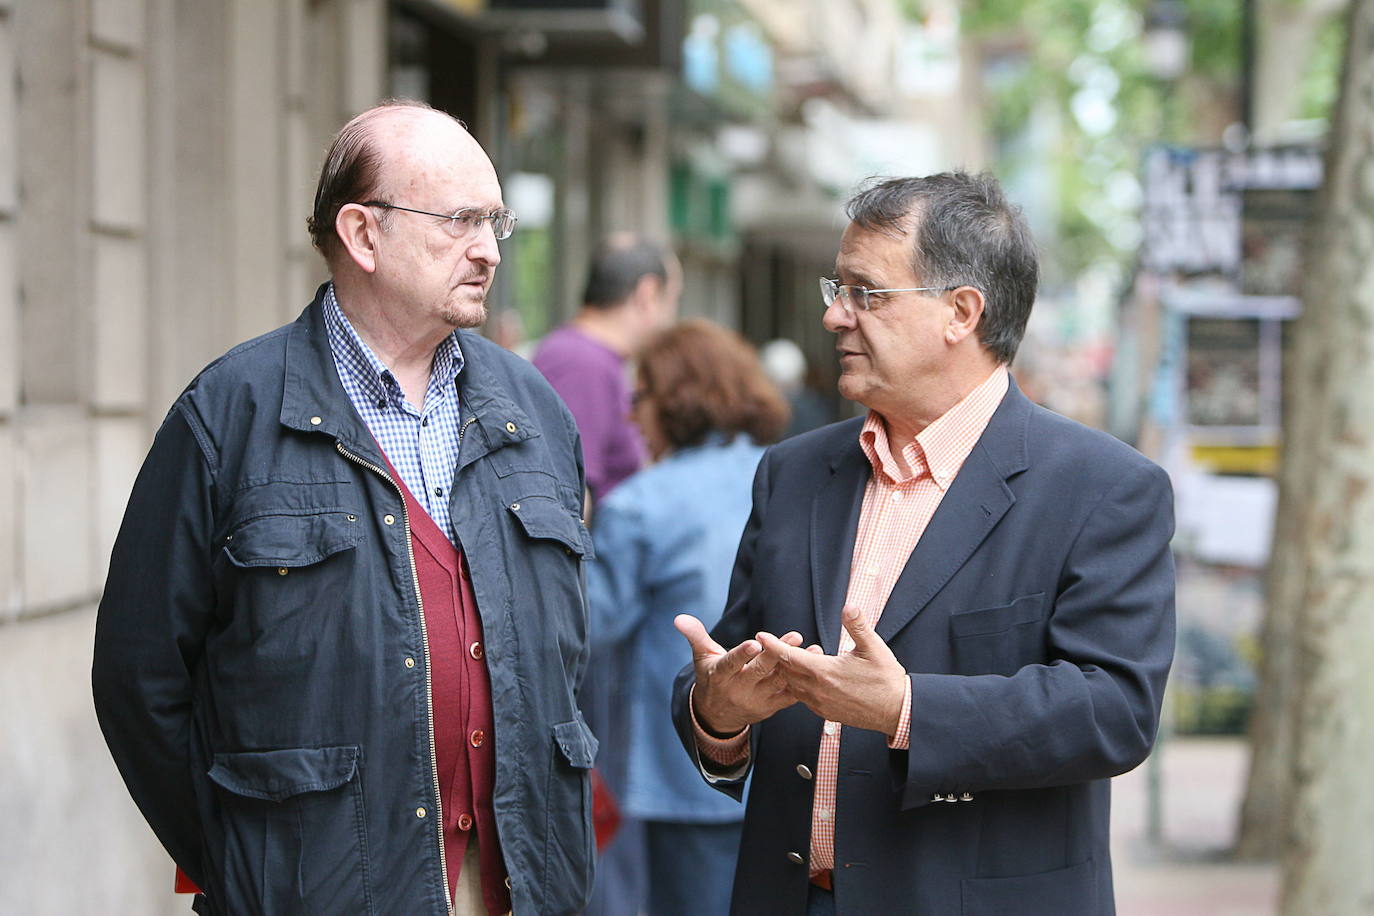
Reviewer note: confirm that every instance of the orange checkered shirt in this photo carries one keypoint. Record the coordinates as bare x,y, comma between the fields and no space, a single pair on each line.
898,504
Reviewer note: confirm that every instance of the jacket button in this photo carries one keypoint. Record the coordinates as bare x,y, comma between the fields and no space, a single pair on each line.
507,882
389,519
315,421
465,821
476,650
410,662
967,796
420,812
515,507
937,797
510,427
803,771
282,570
478,738
796,858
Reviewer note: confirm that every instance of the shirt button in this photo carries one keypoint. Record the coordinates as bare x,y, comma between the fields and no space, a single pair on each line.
825,814
796,858
478,738
476,650
897,496
438,491
465,821
874,569
389,519
381,403
803,771
832,728
425,421
420,812
410,662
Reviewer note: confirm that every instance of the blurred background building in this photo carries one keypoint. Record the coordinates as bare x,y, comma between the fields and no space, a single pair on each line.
158,159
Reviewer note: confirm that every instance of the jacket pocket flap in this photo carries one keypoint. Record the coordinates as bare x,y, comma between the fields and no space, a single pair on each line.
546,518
577,742
292,540
985,621
278,775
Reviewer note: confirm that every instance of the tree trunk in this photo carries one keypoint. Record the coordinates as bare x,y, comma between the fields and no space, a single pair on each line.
1287,31
1328,861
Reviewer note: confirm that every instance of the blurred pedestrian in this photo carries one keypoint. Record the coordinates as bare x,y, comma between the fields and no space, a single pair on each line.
984,590
632,291
665,543
785,363
339,648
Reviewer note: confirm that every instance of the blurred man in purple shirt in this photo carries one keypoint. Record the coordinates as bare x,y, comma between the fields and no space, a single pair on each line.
632,291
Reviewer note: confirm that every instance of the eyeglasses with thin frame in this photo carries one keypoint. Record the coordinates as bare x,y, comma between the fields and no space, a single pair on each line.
466,222
852,297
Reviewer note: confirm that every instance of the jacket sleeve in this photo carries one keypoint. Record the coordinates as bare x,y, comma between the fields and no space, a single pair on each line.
1092,711
735,627
151,630
615,578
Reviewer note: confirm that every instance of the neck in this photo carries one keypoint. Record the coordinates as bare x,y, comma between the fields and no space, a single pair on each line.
610,327
907,421
403,344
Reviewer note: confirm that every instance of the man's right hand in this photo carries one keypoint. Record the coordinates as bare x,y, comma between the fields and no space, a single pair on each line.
737,688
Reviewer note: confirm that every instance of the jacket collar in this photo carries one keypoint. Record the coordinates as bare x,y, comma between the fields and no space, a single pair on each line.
313,398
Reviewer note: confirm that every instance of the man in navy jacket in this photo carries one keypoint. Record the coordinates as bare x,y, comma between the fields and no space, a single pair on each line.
974,596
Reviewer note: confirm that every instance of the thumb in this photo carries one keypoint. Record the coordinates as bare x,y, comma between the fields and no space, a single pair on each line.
859,630
703,646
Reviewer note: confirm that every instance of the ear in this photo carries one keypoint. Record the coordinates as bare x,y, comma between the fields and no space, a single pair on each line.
359,234
646,291
965,315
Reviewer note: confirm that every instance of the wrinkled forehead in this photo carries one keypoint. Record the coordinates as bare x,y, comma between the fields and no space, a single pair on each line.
431,161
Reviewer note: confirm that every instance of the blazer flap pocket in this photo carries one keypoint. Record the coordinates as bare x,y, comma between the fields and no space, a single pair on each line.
984,621
278,775
546,518
577,742
292,540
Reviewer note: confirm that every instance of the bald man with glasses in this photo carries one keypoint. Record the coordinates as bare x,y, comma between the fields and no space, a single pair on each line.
950,620
340,648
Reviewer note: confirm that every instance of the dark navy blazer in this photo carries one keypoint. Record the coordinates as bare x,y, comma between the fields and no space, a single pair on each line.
1036,619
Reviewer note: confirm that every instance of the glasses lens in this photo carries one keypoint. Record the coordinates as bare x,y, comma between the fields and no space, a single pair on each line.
503,223
828,291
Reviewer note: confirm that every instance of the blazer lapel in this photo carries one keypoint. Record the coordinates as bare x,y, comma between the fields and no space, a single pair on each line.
975,503
834,527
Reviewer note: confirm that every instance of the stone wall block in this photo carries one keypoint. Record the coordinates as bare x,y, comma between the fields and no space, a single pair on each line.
118,138
9,124
9,322
10,524
120,23
119,316
55,506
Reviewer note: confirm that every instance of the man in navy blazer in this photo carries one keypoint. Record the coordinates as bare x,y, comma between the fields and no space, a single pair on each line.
976,715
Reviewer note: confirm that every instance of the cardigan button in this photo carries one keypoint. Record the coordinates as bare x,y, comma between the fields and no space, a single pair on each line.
476,650
478,738
465,821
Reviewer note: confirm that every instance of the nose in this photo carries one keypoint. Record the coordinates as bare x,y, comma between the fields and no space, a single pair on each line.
483,247
837,318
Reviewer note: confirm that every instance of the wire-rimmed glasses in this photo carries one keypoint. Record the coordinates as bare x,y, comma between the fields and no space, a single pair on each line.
856,297
464,223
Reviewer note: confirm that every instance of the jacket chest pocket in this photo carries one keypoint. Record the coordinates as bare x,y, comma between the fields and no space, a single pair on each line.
1002,639
289,573
294,831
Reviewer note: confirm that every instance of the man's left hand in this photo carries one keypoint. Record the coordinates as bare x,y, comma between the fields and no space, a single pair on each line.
863,688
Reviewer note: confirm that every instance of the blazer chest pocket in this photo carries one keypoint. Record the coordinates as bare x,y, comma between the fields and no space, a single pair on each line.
1002,639
294,831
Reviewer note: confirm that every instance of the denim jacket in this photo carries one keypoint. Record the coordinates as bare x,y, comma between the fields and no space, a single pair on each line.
261,673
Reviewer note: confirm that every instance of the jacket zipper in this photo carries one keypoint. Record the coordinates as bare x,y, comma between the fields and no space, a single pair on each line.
424,636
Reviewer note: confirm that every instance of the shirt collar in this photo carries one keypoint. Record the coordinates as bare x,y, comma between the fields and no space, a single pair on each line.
376,381
941,448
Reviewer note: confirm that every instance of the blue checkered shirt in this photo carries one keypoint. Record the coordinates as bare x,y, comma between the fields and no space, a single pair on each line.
421,444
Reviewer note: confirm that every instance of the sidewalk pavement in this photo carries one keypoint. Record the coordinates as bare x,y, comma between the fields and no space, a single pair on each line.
1203,780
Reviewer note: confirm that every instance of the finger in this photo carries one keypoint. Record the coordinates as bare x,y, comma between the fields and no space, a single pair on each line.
815,649
792,638
859,630
703,646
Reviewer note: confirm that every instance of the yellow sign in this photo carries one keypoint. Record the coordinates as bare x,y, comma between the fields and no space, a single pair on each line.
1238,459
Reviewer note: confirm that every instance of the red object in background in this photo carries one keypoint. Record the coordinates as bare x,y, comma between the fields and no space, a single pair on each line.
184,885
605,811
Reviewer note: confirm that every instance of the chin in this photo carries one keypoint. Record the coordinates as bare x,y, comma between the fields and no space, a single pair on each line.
470,315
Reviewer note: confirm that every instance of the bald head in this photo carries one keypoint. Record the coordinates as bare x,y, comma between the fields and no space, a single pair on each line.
380,153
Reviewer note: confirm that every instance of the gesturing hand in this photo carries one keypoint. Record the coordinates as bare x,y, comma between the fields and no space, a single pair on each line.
734,688
864,687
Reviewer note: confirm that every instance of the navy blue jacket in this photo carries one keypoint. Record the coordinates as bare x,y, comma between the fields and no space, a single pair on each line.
1036,619
260,671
